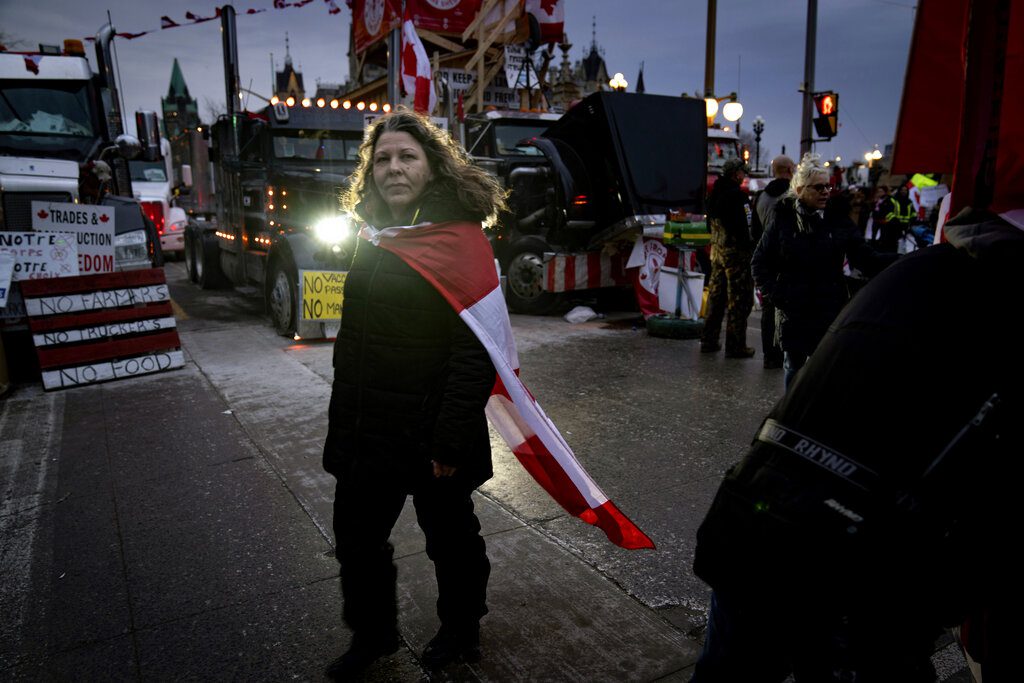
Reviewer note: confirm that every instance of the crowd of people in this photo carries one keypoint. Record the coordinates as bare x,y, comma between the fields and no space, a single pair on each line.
806,244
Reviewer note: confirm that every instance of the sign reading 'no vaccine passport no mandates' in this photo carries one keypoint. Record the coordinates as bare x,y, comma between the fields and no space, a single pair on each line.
93,227
322,294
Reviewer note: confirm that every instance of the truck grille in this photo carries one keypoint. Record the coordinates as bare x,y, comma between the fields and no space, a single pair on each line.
17,214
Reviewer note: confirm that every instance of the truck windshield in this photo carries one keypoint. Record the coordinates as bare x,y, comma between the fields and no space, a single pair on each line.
720,151
148,171
512,139
316,145
46,118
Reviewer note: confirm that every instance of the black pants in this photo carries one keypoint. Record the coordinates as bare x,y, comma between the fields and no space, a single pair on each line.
364,514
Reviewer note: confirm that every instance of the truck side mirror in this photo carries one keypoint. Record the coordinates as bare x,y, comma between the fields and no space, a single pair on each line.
148,128
186,175
128,146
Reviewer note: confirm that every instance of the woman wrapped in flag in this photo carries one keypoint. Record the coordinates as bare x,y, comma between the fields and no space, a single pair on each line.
411,382
425,350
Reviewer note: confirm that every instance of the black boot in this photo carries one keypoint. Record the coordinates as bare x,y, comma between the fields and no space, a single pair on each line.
364,651
452,643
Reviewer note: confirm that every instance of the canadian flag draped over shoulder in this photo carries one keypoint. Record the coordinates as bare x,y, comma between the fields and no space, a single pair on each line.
456,259
416,68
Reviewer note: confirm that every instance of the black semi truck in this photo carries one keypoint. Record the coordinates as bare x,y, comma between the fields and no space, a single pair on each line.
273,221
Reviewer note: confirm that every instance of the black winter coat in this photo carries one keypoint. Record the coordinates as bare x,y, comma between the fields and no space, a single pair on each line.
410,379
800,270
729,211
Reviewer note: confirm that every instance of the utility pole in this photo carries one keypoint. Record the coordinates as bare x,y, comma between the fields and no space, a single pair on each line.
709,51
806,136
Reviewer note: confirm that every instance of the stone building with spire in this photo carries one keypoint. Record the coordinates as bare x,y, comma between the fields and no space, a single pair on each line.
591,71
180,115
288,82
179,109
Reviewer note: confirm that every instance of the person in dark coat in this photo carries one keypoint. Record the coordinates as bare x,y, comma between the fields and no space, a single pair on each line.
406,415
782,172
798,263
829,546
730,288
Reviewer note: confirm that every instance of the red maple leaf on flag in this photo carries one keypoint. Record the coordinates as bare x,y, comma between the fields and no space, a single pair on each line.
104,218
42,214
549,6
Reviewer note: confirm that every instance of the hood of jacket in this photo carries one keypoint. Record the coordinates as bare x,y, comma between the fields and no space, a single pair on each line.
982,234
777,187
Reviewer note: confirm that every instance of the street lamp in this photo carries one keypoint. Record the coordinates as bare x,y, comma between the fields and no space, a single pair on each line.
732,110
618,83
758,129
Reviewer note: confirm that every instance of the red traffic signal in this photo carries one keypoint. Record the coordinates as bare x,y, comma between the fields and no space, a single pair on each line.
826,120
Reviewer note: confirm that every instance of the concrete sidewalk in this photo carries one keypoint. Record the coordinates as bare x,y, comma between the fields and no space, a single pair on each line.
165,528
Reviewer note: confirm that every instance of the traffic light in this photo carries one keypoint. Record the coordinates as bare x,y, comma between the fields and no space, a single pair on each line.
826,119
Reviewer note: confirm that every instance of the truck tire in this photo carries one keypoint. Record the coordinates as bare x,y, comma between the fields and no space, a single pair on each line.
190,254
282,298
524,279
207,262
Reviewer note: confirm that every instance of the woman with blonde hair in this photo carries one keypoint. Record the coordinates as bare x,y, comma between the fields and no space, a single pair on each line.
411,381
798,263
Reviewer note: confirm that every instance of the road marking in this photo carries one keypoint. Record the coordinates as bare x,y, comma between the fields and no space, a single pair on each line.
179,312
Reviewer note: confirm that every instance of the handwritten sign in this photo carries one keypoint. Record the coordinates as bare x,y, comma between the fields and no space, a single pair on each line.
322,294
93,227
95,328
39,256
6,275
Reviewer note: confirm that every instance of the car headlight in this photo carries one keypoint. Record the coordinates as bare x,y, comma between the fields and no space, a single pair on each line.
131,246
333,230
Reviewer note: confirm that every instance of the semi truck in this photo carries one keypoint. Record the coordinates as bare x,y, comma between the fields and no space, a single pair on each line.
62,140
269,216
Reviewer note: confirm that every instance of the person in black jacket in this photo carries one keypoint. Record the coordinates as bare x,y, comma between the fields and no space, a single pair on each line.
782,172
798,263
729,287
829,545
407,408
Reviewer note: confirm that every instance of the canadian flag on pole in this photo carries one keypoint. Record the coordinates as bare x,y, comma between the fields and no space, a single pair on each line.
550,17
416,68
457,260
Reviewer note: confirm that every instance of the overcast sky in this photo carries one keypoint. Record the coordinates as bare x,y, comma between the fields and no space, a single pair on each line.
862,48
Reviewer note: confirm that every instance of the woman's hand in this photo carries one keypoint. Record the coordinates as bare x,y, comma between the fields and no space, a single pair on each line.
441,470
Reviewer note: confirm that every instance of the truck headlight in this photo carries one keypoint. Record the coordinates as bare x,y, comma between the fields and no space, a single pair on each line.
332,230
131,246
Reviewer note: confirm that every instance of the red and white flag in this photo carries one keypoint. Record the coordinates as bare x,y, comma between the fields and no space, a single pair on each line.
416,68
550,16
457,260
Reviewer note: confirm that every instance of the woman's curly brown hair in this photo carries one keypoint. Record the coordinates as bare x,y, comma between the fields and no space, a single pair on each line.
454,173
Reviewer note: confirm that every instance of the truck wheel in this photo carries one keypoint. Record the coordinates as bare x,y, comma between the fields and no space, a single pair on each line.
190,256
207,262
282,299
524,279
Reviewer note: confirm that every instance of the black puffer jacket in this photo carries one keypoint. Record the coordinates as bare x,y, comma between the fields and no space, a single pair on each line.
798,265
410,379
